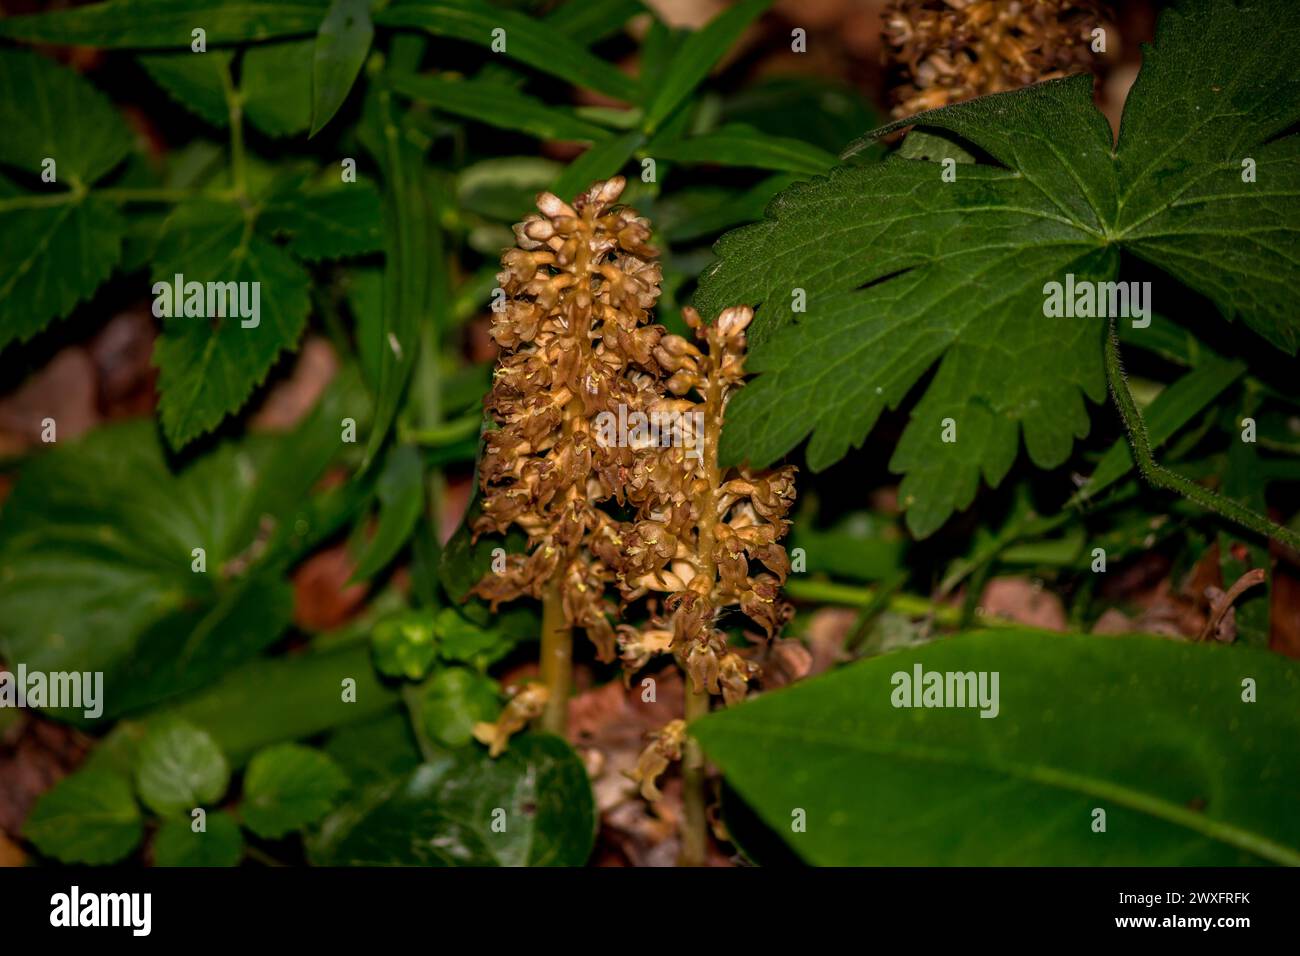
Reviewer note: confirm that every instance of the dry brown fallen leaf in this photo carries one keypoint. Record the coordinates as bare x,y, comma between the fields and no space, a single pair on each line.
1024,601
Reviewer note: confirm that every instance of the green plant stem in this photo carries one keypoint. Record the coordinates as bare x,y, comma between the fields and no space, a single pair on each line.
695,825
238,160
556,661
1162,477
444,433
829,592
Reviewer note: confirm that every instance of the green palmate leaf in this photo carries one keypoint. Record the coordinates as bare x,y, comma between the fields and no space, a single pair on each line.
98,560
220,844
331,222
400,493
37,98
498,105
526,40
51,258
341,48
196,81
454,701
740,145
179,768
89,817
208,367
696,56
532,806
288,787
923,271
277,86
604,159
168,23
1154,732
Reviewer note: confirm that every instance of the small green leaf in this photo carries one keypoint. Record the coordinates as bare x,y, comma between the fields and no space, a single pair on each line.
179,768
89,817
405,645
197,81
696,56
861,547
221,844
277,92
454,701
502,187
400,492
443,814
208,367
51,259
341,47
603,160
460,639
1154,732
288,787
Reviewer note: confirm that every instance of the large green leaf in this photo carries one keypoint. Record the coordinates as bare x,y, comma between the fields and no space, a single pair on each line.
89,817
167,23
443,814
208,368
96,555
527,40
1154,732
902,270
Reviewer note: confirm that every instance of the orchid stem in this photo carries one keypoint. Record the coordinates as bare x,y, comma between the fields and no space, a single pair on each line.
695,827
556,661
